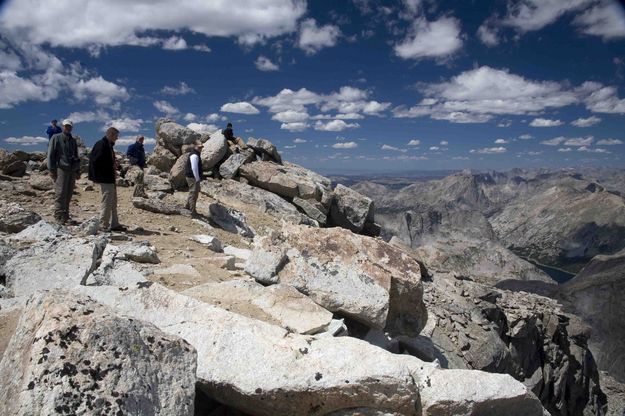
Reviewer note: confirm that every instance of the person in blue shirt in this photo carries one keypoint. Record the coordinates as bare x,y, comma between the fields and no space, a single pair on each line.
53,129
136,153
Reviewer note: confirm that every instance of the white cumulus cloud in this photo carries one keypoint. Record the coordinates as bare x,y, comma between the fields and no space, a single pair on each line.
414,142
27,140
313,38
241,107
124,124
335,125
544,122
490,150
345,145
165,107
393,148
294,126
203,128
609,142
437,39
264,64
181,89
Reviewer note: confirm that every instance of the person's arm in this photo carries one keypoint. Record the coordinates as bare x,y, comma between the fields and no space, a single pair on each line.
195,167
52,160
49,132
130,152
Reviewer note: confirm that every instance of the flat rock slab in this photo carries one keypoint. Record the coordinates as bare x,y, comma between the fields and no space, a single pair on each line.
280,305
71,355
58,264
14,218
362,277
209,241
159,207
230,220
264,370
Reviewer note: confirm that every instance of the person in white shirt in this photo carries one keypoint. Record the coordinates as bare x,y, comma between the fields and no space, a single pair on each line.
194,176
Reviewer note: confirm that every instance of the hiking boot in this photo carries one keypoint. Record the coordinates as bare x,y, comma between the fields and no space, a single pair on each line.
119,227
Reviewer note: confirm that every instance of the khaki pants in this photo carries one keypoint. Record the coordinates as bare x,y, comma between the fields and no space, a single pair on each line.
194,191
64,188
108,207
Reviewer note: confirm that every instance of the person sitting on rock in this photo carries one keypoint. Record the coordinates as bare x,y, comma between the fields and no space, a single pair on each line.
136,153
194,176
53,129
102,165
235,143
64,167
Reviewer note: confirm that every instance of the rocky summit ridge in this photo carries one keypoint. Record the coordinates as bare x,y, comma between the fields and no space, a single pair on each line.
278,299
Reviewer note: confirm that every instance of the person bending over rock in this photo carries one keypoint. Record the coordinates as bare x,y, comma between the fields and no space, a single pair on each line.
64,167
102,170
235,143
194,176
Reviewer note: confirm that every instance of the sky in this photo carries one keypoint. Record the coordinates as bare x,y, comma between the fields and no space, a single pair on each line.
341,86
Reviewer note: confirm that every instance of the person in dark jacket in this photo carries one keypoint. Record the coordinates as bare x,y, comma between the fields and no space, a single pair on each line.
194,176
235,143
53,129
136,153
102,170
64,168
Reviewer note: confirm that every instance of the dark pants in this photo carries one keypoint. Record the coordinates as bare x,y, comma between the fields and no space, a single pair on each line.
194,191
64,188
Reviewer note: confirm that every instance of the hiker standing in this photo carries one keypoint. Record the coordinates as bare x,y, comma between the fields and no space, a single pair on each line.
53,129
194,176
102,166
64,167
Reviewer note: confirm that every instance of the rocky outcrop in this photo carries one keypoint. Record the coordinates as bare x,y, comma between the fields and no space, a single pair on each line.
14,218
60,263
230,167
71,355
596,294
350,209
157,184
262,369
530,337
265,201
265,149
173,136
361,277
280,305
162,159
178,173
215,149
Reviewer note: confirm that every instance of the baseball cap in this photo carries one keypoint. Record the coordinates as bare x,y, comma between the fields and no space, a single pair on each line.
68,122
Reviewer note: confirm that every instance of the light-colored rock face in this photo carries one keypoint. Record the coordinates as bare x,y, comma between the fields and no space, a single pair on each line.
178,173
140,252
262,369
162,159
350,209
57,264
215,149
209,241
311,210
266,148
230,168
230,220
286,180
40,231
175,135
280,305
596,293
263,200
363,277
14,218
71,355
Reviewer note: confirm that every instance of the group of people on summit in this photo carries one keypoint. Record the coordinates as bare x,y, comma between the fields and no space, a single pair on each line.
65,168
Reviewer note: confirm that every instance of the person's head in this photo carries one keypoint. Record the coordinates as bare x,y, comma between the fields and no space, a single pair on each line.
112,134
229,125
140,139
198,145
67,126
53,122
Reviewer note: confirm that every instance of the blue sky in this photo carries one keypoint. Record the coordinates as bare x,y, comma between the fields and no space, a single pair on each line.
353,85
